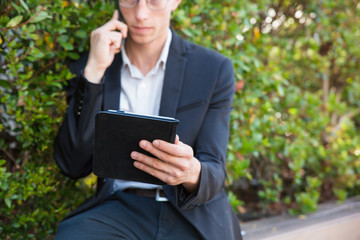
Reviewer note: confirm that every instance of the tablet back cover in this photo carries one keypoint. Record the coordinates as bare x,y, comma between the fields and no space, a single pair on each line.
118,133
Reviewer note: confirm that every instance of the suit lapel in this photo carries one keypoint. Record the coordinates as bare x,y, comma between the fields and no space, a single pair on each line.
174,74
112,84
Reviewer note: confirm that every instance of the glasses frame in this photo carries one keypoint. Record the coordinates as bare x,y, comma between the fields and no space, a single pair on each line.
147,4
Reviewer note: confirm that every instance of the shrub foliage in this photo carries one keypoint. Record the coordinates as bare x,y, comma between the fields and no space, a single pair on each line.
294,130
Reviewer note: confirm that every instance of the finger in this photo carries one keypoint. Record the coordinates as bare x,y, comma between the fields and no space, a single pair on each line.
179,149
180,161
164,156
113,25
151,161
115,50
177,141
154,164
157,168
115,39
115,15
156,173
111,39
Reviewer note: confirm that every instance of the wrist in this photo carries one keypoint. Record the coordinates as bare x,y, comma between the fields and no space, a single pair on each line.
193,184
93,74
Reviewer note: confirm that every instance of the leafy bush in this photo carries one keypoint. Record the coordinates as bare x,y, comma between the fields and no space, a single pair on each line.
37,38
296,121
294,133
294,130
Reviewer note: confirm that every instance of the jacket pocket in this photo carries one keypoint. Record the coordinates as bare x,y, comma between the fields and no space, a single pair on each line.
190,106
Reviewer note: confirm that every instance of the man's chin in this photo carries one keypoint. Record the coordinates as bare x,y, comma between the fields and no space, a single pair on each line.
141,39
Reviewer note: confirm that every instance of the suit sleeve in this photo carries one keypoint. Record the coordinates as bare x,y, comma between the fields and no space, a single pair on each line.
74,142
211,144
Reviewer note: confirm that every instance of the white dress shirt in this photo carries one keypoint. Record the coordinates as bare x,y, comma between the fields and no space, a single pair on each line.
141,94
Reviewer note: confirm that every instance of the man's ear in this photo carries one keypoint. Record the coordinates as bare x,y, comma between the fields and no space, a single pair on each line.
175,4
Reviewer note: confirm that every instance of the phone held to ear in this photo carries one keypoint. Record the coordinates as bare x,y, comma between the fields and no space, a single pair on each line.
117,6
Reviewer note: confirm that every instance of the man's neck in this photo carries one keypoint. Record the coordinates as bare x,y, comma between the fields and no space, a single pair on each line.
144,56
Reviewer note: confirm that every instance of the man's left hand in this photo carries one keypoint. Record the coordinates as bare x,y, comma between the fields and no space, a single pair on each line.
174,163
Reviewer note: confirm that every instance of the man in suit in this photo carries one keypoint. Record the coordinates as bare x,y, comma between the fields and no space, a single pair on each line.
152,71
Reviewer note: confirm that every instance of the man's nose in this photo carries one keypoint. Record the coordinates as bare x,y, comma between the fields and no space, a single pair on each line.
142,11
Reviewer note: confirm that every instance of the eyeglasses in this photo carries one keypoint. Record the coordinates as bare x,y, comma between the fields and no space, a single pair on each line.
155,5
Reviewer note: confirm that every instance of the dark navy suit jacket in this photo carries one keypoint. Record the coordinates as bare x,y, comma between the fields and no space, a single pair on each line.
198,90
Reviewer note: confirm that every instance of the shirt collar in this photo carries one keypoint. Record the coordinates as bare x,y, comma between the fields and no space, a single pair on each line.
165,52
162,59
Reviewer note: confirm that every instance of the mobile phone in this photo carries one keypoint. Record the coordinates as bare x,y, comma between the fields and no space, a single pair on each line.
117,6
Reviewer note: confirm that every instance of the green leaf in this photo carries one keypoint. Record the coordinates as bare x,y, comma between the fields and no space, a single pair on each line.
41,16
67,46
24,5
196,19
81,34
31,28
2,162
73,55
280,90
187,32
219,47
5,84
18,8
8,202
14,21
34,36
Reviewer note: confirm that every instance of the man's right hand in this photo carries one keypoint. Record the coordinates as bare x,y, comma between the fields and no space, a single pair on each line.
105,42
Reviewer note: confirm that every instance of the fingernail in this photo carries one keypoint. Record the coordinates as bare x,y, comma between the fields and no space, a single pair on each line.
156,143
134,155
143,144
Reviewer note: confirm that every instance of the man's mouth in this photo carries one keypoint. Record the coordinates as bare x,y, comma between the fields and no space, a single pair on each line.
141,29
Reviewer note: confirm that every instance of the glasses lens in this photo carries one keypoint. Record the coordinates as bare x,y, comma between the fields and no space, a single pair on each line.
127,3
152,4
157,4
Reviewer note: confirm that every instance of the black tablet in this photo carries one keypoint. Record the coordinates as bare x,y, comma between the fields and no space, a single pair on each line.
118,133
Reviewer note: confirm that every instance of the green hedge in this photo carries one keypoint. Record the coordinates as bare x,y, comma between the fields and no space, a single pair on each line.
37,39
294,129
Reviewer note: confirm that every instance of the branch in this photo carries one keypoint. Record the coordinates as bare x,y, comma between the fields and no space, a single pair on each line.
10,157
325,87
348,115
45,67
26,158
26,22
18,58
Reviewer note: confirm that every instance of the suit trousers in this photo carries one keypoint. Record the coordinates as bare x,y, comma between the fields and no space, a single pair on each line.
128,216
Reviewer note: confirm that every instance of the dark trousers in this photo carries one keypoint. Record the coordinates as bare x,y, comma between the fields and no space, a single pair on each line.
127,216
